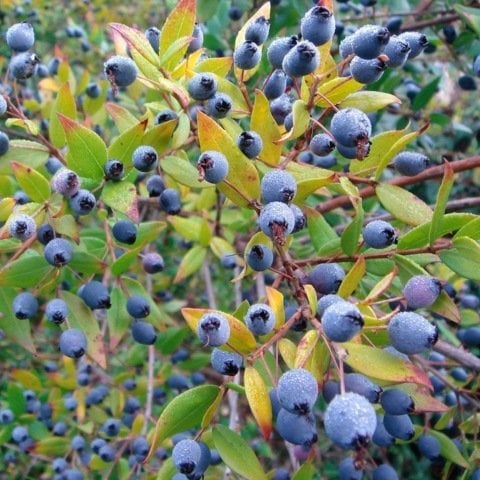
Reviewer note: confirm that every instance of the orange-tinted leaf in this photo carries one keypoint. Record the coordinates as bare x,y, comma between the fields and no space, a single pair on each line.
305,348
259,400
424,402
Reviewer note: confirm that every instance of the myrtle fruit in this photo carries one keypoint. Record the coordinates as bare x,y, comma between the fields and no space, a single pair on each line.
21,198
281,473
226,363
257,31
213,329
367,71
21,226
111,427
197,39
73,343
350,126
358,383
275,84
276,221
259,257
59,465
138,306
20,37
45,233
429,446
397,51
379,234
121,71
97,444
202,86
219,105
53,164
53,65
145,158
125,231
114,170
410,333
107,453
322,144
417,42
19,434
297,391
186,456
198,378
247,55
381,437
155,185
411,163
468,300
83,202
326,277
350,420
399,426
24,306
70,403
153,263
348,471
301,60
396,402
22,66
260,319
297,429
300,218
6,416
346,47
153,36
280,108
278,49
170,201
318,25
56,310
140,448
78,443
342,321
66,182
273,394
250,143
369,41
421,291
470,336
95,295
143,332
4,143
212,166
3,105
278,186
384,472
59,429
235,13
58,252
326,301
165,116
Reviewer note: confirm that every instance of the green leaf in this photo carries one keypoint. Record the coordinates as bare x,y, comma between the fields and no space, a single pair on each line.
470,229
369,101
123,146
403,205
442,199
229,444
183,172
148,232
124,261
122,197
25,272
305,472
123,119
118,318
66,225
449,450
407,268
160,136
64,105
16,400
470,15
29,153
309,179
463,258
51,446
351,234
425,94
190,263
87,153
34,184
335,91
319,229
195,229
84,262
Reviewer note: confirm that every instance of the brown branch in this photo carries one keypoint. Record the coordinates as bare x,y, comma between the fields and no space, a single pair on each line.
440,20
463,357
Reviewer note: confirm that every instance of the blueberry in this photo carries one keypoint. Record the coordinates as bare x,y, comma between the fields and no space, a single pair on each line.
143,332
322,144
95,295
411,163
70,403
53,164
297,391
301,60
367,71
4,143
107,453
198,378
393,24
369,41
385,472
346,46
260,319
20,37
350,420
278,186
45,233
318,25
145,158
342,321
97,444
140,448
59,429
396,402
278,49
83,380
53,65
83,202
275,85
350,126
213,329
197,39
297,429
19,434
114,170
276,220
281,473
66,182
250,143
379,234
330,389
186,456
259,257
358,383
56,311
59,465
153,36
3,105
155,185
58,252
300,218
202,86
326,277
212,166
21,226
429,446
235,13
219,105
469,336
399,426
257,31
348,471
25,306
273,394
170,201
111,427
381,437
73,343
138,306
165,116
152,263
132,405
397,51
92,90
226,363
120,70
417,41
468,300
247,55
125,231
410,333
467,82
326,301
6,416
421,291
229,261
280,108
21,198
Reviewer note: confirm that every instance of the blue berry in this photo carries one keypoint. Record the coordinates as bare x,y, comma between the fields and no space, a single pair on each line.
342,321
59,465
260,319
111,427
66,182
120,70
350,420
53,65
155,185
358,383
197,39
396,402
280,108
153,263
25,306
114,170
165,116
58,252
297,429
322,144
399,426
369,41
410,333
326,301
186,456
348,471
19,434
297,391
59,429
360,152
170,201
411,163
281,473
125,231
367,71
381,437
300,218
107,453
138,306
93,90
350,126
198,378
393,24
140,448
459,374
20,37
301,60
384,472
235,13
95,295
4,143
346,46
259,257
278,49
278,186
469,336
56,310
318,25
429,446
178,382
275,84
247,55
250,143
41,70
219,105
143,333
153,36
257,31
202,86
330,389
6,416
73,343
326,277
397,51
70,403
379,234
83,202
469,301
212,166
417,42
226,363
213,329
45,233
276,221
22,66
273,394
97,444
421,291
145,158
21,226
53,164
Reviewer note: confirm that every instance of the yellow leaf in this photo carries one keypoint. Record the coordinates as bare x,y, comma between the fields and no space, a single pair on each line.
259,400
353,278
301,120
288,351
275,300
336,90
305,348
369,101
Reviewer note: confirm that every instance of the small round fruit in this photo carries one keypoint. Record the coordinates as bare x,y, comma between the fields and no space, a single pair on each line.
399,426
20,37
301,60
300,218
143,333
396,402
297,391
318,25
153,263
219,105
257,31
21,226
202,86
73,343
66,182
138,306
421,291
369,41
247,55
213,329
358,383
95,295
58,252
417,42
165,116
226,363
153,36
45,233
342,321
385,472
197,39
125,231
260,319
276,220
212,166
114,170
186,456
297,429
25,306
411,163
350,126
83,202
278,186
4,143
259,257
322,144
379,234
278,49
275,85
250,143
397,51
170,201
280,108
326,277
429,446
410,333
367,71
120,70
145,158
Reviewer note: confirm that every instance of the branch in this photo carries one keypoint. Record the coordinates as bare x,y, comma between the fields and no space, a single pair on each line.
463,357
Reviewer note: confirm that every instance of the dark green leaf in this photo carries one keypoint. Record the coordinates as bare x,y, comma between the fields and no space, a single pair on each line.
463,258
425,94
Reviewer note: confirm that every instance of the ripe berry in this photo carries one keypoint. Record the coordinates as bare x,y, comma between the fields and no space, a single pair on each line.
73,343
411,163
297,429
25,306
4,143
280,108
111,427
19,434
278,49
318,25
348,471
153,263
59,465
138,306
326,277
367,71
260,319
301,60
170,201
3,105
346,46
350,420
342,321
107,453
276,221
257,31
235,13
326,301
379,234
397,51
59,429
143,332
350,126
21,226
83,202
213,330
381,437
396,402
114,170
429,446
144,158
197,39
219,105
250,143
384,472
20,37
410,333
300,218
66,182
212,166
278,186
95,295
417,41
53,65
297,391
275,84
125,231
202,86
58,252
399,426
421,291
155,185
6,416
369,41
467,82
22,65
247,55
226,363
153,36
120,70
45,233
358,383
260,257
165,116
322,144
